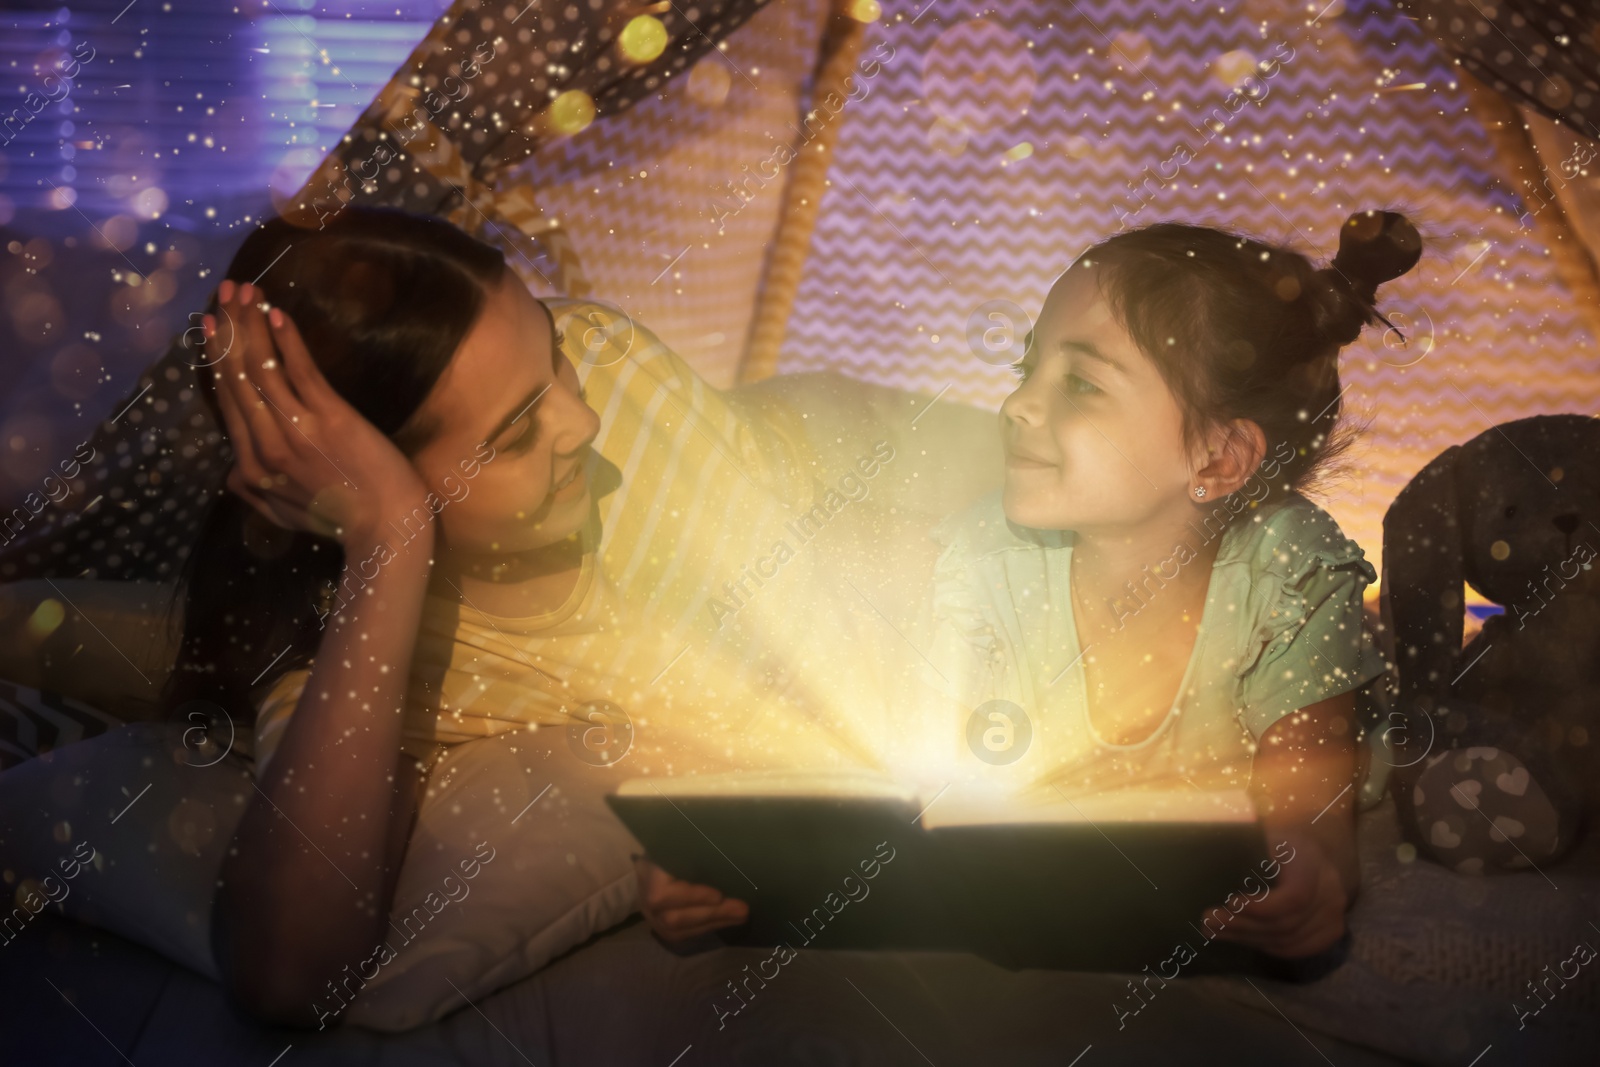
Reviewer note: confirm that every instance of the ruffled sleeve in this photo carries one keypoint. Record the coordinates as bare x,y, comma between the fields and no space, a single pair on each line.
1309,641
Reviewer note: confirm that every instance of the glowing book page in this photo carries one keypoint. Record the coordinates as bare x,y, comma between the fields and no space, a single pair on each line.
957,806
1112,806
821,784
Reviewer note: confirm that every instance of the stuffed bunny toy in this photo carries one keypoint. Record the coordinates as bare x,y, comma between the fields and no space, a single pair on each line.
1498,742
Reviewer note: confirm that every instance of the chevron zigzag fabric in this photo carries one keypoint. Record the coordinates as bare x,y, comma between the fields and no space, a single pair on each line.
996,147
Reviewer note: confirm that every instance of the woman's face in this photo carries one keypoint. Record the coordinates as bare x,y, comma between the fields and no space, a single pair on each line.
511,459
1093,435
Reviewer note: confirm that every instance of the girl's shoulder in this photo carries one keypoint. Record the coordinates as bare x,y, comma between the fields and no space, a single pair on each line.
1290,539
1301,636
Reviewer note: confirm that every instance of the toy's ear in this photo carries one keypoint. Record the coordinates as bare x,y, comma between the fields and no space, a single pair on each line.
1422,577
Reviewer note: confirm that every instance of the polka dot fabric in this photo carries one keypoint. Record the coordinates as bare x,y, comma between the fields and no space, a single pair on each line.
1545,53
160,457
155,464
525,57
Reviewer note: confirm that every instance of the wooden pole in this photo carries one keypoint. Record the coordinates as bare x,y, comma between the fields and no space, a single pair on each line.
836,59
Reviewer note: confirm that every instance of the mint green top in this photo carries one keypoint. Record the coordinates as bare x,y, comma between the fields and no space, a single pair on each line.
1282,628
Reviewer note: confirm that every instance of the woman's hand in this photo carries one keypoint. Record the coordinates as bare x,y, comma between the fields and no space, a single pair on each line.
680,911
304,458
1302,912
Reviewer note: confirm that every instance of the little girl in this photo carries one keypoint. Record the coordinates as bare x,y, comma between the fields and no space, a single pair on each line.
1150,591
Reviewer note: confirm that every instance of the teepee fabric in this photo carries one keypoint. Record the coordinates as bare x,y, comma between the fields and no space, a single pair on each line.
1542,53
490,88
994,147
974,155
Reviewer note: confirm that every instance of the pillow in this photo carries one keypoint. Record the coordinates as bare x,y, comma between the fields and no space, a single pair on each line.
146,822
34,721
1441,965
514,860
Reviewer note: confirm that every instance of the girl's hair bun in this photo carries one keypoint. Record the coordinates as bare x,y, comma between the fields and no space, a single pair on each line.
1374,247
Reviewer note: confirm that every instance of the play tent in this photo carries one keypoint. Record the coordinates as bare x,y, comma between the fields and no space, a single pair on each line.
805,185
799,186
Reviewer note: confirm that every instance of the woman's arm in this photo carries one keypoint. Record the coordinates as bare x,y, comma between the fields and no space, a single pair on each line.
680,911
306,887
1304,776
946,454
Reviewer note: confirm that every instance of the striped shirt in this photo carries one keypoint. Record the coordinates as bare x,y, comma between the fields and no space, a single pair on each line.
711,607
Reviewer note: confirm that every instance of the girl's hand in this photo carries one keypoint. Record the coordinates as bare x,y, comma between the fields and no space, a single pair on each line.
679,911
1304,769
304,458
1303,911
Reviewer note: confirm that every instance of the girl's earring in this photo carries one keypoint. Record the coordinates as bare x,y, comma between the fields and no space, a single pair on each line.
1199,491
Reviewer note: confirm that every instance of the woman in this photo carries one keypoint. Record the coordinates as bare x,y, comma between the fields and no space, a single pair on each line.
426,540
440,392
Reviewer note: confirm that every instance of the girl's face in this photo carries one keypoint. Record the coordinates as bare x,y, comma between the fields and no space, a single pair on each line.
510,462
1093,435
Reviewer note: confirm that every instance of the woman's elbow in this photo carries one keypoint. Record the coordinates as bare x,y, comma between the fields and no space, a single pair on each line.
268,995
269,986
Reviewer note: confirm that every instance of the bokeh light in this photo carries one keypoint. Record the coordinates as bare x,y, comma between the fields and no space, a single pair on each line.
571,112
709,82
642,39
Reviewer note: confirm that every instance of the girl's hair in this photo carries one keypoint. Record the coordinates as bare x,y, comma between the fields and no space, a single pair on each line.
383,300
1240,328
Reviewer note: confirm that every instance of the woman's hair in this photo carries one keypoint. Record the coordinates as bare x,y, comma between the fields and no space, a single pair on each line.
1240,328
383,299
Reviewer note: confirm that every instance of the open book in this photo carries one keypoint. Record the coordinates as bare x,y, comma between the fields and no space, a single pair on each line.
1108,881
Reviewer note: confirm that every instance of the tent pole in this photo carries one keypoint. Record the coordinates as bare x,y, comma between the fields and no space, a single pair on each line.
802,195
1509,135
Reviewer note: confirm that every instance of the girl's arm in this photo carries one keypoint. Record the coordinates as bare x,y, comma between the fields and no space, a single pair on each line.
307,883
1304,775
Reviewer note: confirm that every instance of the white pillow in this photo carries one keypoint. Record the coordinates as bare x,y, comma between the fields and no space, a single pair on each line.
551,867
544,876
152,826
